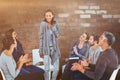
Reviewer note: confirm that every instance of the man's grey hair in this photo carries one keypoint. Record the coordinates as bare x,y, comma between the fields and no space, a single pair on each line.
110,37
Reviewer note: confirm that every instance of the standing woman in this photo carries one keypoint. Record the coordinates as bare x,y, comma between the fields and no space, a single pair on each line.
48,47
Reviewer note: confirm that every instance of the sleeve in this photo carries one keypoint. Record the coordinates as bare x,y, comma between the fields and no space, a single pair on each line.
85,52
12,68
90,54
18,51
1,51
92,66
71,52
42,25
97,55
20,48
56,30
99,70
81,56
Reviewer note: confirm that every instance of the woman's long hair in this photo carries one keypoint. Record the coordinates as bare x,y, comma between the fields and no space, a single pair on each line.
7,42
9,33
49,10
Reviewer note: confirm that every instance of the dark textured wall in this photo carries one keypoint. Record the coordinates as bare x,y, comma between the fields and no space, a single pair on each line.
74,17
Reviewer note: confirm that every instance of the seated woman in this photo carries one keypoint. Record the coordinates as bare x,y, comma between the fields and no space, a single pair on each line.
17,52
106,63
94,53
79,49
7,64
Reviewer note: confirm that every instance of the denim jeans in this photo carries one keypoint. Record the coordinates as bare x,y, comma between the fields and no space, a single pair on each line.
47,63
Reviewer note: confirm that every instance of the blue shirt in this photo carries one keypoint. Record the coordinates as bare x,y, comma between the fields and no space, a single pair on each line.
82,53
79,52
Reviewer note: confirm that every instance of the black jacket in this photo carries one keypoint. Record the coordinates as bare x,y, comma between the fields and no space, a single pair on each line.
105,65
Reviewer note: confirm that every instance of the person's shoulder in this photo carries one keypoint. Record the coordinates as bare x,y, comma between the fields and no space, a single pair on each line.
18,41
110,54
43,23
98,48
91,48
76,41
55,22
87,45
0,54
3,55
112,51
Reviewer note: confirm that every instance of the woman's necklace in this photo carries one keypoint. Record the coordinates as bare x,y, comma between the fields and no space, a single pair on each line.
80,45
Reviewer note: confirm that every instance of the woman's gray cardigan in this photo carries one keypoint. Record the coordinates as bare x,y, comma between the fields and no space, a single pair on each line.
85,49
44,43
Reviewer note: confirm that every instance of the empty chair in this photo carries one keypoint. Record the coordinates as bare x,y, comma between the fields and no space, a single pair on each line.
2,75
37,59
114,74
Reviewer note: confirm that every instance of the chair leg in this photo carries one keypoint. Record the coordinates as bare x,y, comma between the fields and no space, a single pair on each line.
47,75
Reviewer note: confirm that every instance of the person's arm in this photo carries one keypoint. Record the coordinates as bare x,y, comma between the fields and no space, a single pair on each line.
92,66
74,51
81,56
71,52
90,55
29,60
18,51
1,51
99,70
85,50
19,64
56,30
97,55
97,73
42,27
12,68
20,48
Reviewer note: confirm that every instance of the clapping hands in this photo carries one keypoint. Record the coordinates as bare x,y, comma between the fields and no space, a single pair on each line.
83,63
75,50
24,59
77,66
80,66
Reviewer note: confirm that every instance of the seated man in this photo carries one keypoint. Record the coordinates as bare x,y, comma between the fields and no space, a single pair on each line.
106,63
94,50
